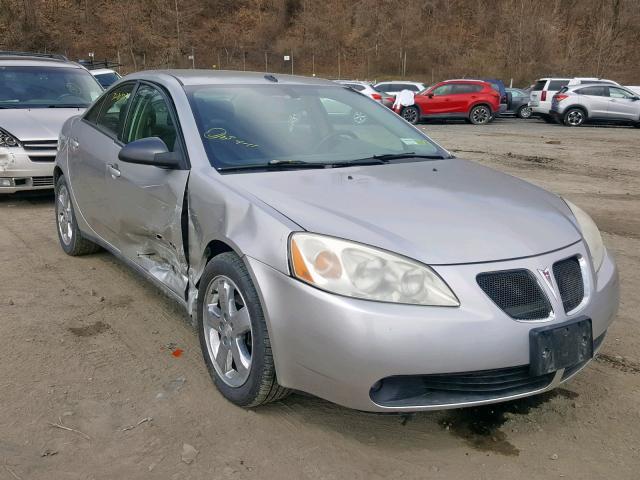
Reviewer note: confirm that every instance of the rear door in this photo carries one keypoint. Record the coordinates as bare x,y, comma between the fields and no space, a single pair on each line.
621,105
595,98
92,146
148,200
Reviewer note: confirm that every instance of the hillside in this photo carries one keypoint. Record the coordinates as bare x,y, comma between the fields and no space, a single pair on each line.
421,39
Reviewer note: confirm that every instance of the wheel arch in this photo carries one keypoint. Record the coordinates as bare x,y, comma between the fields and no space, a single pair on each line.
481,103
57,173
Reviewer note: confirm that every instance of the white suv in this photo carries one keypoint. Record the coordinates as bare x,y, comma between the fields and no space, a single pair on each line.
38,93
545,88
395,86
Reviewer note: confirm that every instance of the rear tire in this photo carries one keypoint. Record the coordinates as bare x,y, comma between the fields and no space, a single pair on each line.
524,112
255,383
574,117
480,115
411,114
71,239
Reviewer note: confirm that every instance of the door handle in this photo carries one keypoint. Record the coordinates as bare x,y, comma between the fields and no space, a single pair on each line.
74,144
113,170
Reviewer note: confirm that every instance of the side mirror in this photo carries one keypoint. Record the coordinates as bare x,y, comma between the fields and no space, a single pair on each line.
430,94
635,99
150,151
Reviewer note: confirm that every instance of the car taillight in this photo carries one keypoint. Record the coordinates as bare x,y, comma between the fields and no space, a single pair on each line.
560,96
376,96
543,95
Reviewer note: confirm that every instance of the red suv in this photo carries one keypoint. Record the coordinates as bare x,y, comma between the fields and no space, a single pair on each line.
474,100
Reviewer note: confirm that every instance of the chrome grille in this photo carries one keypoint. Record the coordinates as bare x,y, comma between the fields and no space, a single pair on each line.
517,293
568,275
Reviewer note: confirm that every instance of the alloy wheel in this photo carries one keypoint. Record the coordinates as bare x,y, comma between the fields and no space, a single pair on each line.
228,331
575,118
480,115
410,114
525,112
65,216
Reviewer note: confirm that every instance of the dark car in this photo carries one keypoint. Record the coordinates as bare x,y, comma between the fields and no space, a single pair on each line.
517,103
499,87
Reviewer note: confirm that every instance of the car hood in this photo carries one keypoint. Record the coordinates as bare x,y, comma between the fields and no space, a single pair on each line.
36,123
438,212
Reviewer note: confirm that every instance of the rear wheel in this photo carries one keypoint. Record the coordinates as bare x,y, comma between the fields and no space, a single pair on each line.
524,112
411,114
233,334
574,117
69,235
480,115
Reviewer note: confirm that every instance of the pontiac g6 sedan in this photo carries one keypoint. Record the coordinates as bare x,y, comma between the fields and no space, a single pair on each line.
357,261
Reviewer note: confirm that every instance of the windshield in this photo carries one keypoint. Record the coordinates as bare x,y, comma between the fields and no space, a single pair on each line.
263,124
107,79
44,87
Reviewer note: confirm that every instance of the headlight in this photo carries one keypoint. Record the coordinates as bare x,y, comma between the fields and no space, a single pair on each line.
8,140
590,233
356,270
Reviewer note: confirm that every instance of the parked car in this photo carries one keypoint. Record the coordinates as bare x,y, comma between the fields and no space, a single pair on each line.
635,89
106,76
360,263
545,88
367,89
499,86
395,86
473,100
518,103
37,94
578,104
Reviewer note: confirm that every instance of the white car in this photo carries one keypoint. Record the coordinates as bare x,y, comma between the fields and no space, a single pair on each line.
635,89
38,93
106,76
396,86
545,88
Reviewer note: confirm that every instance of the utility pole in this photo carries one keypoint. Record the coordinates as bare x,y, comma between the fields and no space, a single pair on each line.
266,62
313,65
244,60
339,77
192,57
292,61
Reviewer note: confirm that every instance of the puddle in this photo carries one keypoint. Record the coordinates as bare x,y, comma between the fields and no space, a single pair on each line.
480,426
90,330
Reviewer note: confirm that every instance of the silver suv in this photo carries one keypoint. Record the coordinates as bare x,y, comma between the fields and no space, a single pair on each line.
38,93
577,104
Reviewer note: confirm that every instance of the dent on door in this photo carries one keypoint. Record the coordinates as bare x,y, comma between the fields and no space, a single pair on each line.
149,217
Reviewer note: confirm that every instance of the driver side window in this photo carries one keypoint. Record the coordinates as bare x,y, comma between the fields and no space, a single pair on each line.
150,117
443,90
618,93
114,109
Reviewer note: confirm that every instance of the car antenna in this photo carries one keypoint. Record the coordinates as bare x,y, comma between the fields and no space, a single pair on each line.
271,78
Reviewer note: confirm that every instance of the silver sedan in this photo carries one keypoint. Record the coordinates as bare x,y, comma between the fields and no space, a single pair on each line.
357,261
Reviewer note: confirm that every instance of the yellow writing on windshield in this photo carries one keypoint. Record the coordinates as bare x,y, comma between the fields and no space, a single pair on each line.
221,134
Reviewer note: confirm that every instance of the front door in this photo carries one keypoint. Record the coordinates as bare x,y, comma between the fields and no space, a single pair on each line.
622,105
148,200
439,101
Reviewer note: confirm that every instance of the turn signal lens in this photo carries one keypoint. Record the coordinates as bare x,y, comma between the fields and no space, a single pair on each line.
356,270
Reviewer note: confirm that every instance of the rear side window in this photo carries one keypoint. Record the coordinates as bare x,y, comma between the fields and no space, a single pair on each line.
594,91
555,85
114,109
466,88
539,85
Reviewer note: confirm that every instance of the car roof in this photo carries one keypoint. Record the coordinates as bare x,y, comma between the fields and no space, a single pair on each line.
465,80
358,82
14,59
101,71
401,81
227,77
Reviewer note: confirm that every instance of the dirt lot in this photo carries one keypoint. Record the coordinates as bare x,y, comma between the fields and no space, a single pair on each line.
90,387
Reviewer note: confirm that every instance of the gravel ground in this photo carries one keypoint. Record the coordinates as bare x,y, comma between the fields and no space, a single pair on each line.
91,387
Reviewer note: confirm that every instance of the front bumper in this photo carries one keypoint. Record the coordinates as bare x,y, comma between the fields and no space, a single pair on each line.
19,171
338,348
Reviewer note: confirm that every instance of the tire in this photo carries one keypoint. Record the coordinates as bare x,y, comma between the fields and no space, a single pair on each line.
574,117
244,385
524,112
71,239
411,114
637,124
480,115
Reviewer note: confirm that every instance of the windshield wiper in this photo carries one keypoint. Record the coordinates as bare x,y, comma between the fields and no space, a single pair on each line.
62,105
275,165
400,156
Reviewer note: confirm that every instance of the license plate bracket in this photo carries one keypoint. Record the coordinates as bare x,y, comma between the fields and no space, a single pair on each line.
562,345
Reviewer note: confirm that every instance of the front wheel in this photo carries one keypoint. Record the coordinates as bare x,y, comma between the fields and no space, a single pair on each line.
574,117
233,334
69,234
480,115
524,112
411,114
